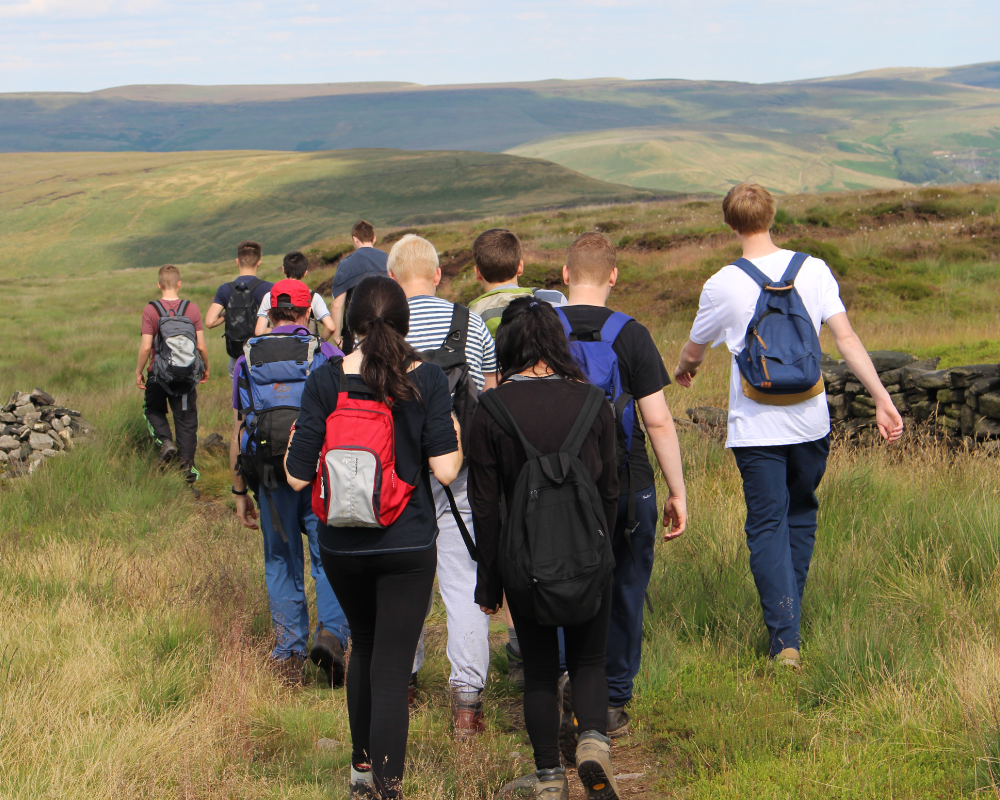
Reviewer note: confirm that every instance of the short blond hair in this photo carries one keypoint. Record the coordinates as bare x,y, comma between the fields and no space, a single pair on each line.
748,209
413,257
168,277
591,259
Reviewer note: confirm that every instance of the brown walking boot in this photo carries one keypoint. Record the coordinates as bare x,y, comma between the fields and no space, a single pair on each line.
542,784
467,716
328,655
289,671
593,765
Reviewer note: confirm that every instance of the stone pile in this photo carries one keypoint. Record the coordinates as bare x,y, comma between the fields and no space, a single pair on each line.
32,428
958,403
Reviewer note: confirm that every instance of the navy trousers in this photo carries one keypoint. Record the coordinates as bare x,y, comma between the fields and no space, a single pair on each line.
628,592
779,485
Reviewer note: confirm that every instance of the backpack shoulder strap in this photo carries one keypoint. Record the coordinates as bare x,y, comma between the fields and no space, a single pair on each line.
458,335
182,308
494,405
613,327
748,267
160,309
792,270
254,284
565,322
584,422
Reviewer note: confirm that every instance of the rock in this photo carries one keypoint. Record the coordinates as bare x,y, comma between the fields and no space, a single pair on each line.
8,418
514,755
892,388
685,425
941,379
41,427
899,401
9,443
25,451
982,386
954,412
39,441
57,425
50,452
40,398
855,425
891,377
23,411
707,415
885,360
67,439
917,395
65,412
213,442
57,441
4,458
837,403
949,424
989,404
327,744
963,376
862,410
35,457
65,420
853,387
985,428
23,399
972,401
923,411
835,375
967,420
630,776
80,425
918,368
951,395
864,400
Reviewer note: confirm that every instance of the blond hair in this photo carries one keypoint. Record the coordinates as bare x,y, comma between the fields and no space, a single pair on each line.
591,259
748,209
413,257
168,277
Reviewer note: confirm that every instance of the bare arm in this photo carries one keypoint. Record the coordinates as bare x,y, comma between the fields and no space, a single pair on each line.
263,326
327,330
890,423
659,426
337,318
245,510
145,348
200,344
216,316
491,381
447,467
692,355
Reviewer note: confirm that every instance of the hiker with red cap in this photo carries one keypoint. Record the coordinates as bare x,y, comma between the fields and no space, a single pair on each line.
267,389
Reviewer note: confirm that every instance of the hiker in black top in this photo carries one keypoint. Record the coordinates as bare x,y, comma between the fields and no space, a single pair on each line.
364,261
242,305
382,576
544,391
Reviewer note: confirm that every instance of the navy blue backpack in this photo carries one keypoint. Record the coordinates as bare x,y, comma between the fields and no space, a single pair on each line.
780,364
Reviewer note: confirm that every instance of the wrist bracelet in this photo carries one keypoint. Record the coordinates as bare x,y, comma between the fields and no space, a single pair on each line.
239,494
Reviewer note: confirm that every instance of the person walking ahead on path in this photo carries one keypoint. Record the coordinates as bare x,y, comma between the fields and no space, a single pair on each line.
383,573
780,442
364,261
236,302
280,364
173,346
295,265
413,263
544,405
591,273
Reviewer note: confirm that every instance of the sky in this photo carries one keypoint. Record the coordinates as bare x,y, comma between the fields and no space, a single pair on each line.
83,45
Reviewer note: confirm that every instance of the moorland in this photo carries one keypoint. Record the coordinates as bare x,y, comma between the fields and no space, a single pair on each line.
136,623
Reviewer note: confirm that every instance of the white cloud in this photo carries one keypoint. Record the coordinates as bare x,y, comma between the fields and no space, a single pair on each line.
13,9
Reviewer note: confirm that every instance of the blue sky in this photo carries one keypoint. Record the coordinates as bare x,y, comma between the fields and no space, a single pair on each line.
81,45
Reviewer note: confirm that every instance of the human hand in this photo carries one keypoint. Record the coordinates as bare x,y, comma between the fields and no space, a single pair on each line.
888,419
140,379
205,376
674,512
489,611
684,377
246,512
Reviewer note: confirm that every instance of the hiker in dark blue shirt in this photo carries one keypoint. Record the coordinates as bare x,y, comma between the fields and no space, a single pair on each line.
364,261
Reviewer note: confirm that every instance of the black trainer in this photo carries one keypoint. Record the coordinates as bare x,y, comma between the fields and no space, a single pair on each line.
168,451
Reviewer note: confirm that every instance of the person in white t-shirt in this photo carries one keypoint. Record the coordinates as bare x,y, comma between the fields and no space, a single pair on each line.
296,267
781,450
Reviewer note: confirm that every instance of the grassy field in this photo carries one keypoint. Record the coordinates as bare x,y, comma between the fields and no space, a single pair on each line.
137,625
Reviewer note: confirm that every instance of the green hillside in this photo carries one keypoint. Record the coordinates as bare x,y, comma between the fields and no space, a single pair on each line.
94,211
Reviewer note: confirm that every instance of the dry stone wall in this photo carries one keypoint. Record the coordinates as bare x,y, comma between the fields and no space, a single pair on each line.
34,427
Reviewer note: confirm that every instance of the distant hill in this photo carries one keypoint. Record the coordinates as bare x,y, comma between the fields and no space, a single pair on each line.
84,212
884,128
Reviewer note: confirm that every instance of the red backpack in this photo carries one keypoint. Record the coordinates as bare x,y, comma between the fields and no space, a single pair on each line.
357,485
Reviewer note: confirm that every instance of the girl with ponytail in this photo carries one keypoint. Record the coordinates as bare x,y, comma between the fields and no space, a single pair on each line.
382,577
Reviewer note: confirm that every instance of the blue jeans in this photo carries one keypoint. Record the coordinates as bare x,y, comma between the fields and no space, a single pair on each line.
628,593
779,486
284,574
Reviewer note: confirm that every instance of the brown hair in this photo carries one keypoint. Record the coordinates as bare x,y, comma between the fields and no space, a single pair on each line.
168,277
363,231
295,265
497,252
248,252
748,208
277,315
591,259
380,316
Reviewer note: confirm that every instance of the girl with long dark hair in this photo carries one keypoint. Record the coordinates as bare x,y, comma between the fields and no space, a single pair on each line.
382,576
545,391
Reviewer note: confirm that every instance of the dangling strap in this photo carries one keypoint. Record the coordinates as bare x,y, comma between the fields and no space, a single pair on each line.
458,336
470,544
268,482
494,405
792,270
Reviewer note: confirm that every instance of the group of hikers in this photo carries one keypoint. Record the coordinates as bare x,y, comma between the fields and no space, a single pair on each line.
505,449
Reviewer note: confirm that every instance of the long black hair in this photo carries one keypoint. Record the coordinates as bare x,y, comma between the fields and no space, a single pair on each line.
530,331
380,316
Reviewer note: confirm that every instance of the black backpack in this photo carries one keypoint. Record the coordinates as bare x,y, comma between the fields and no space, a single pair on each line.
555,552
241,316
450,356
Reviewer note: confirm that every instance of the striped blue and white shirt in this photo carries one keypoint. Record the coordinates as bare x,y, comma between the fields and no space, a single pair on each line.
430,323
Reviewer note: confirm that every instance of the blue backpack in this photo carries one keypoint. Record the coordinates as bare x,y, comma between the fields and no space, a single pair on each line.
270,396
780,364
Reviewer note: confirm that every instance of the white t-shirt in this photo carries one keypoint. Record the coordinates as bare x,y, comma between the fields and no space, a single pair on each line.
726,308
319,307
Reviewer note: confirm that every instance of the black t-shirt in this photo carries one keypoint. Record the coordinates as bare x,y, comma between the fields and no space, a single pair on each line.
423,430
643,374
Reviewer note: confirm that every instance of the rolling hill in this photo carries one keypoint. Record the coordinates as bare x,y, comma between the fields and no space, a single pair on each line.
869,130
84,212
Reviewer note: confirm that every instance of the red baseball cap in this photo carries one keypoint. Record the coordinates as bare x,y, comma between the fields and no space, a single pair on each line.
296,293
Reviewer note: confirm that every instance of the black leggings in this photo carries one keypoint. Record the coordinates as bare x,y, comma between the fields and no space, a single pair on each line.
586,647
385,600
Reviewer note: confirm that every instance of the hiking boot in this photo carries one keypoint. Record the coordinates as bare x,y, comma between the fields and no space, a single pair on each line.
542,784
168,451
467,715
328,654
789,657
618,721
363,783
569,730
411,690
515,667
593,765
289,671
